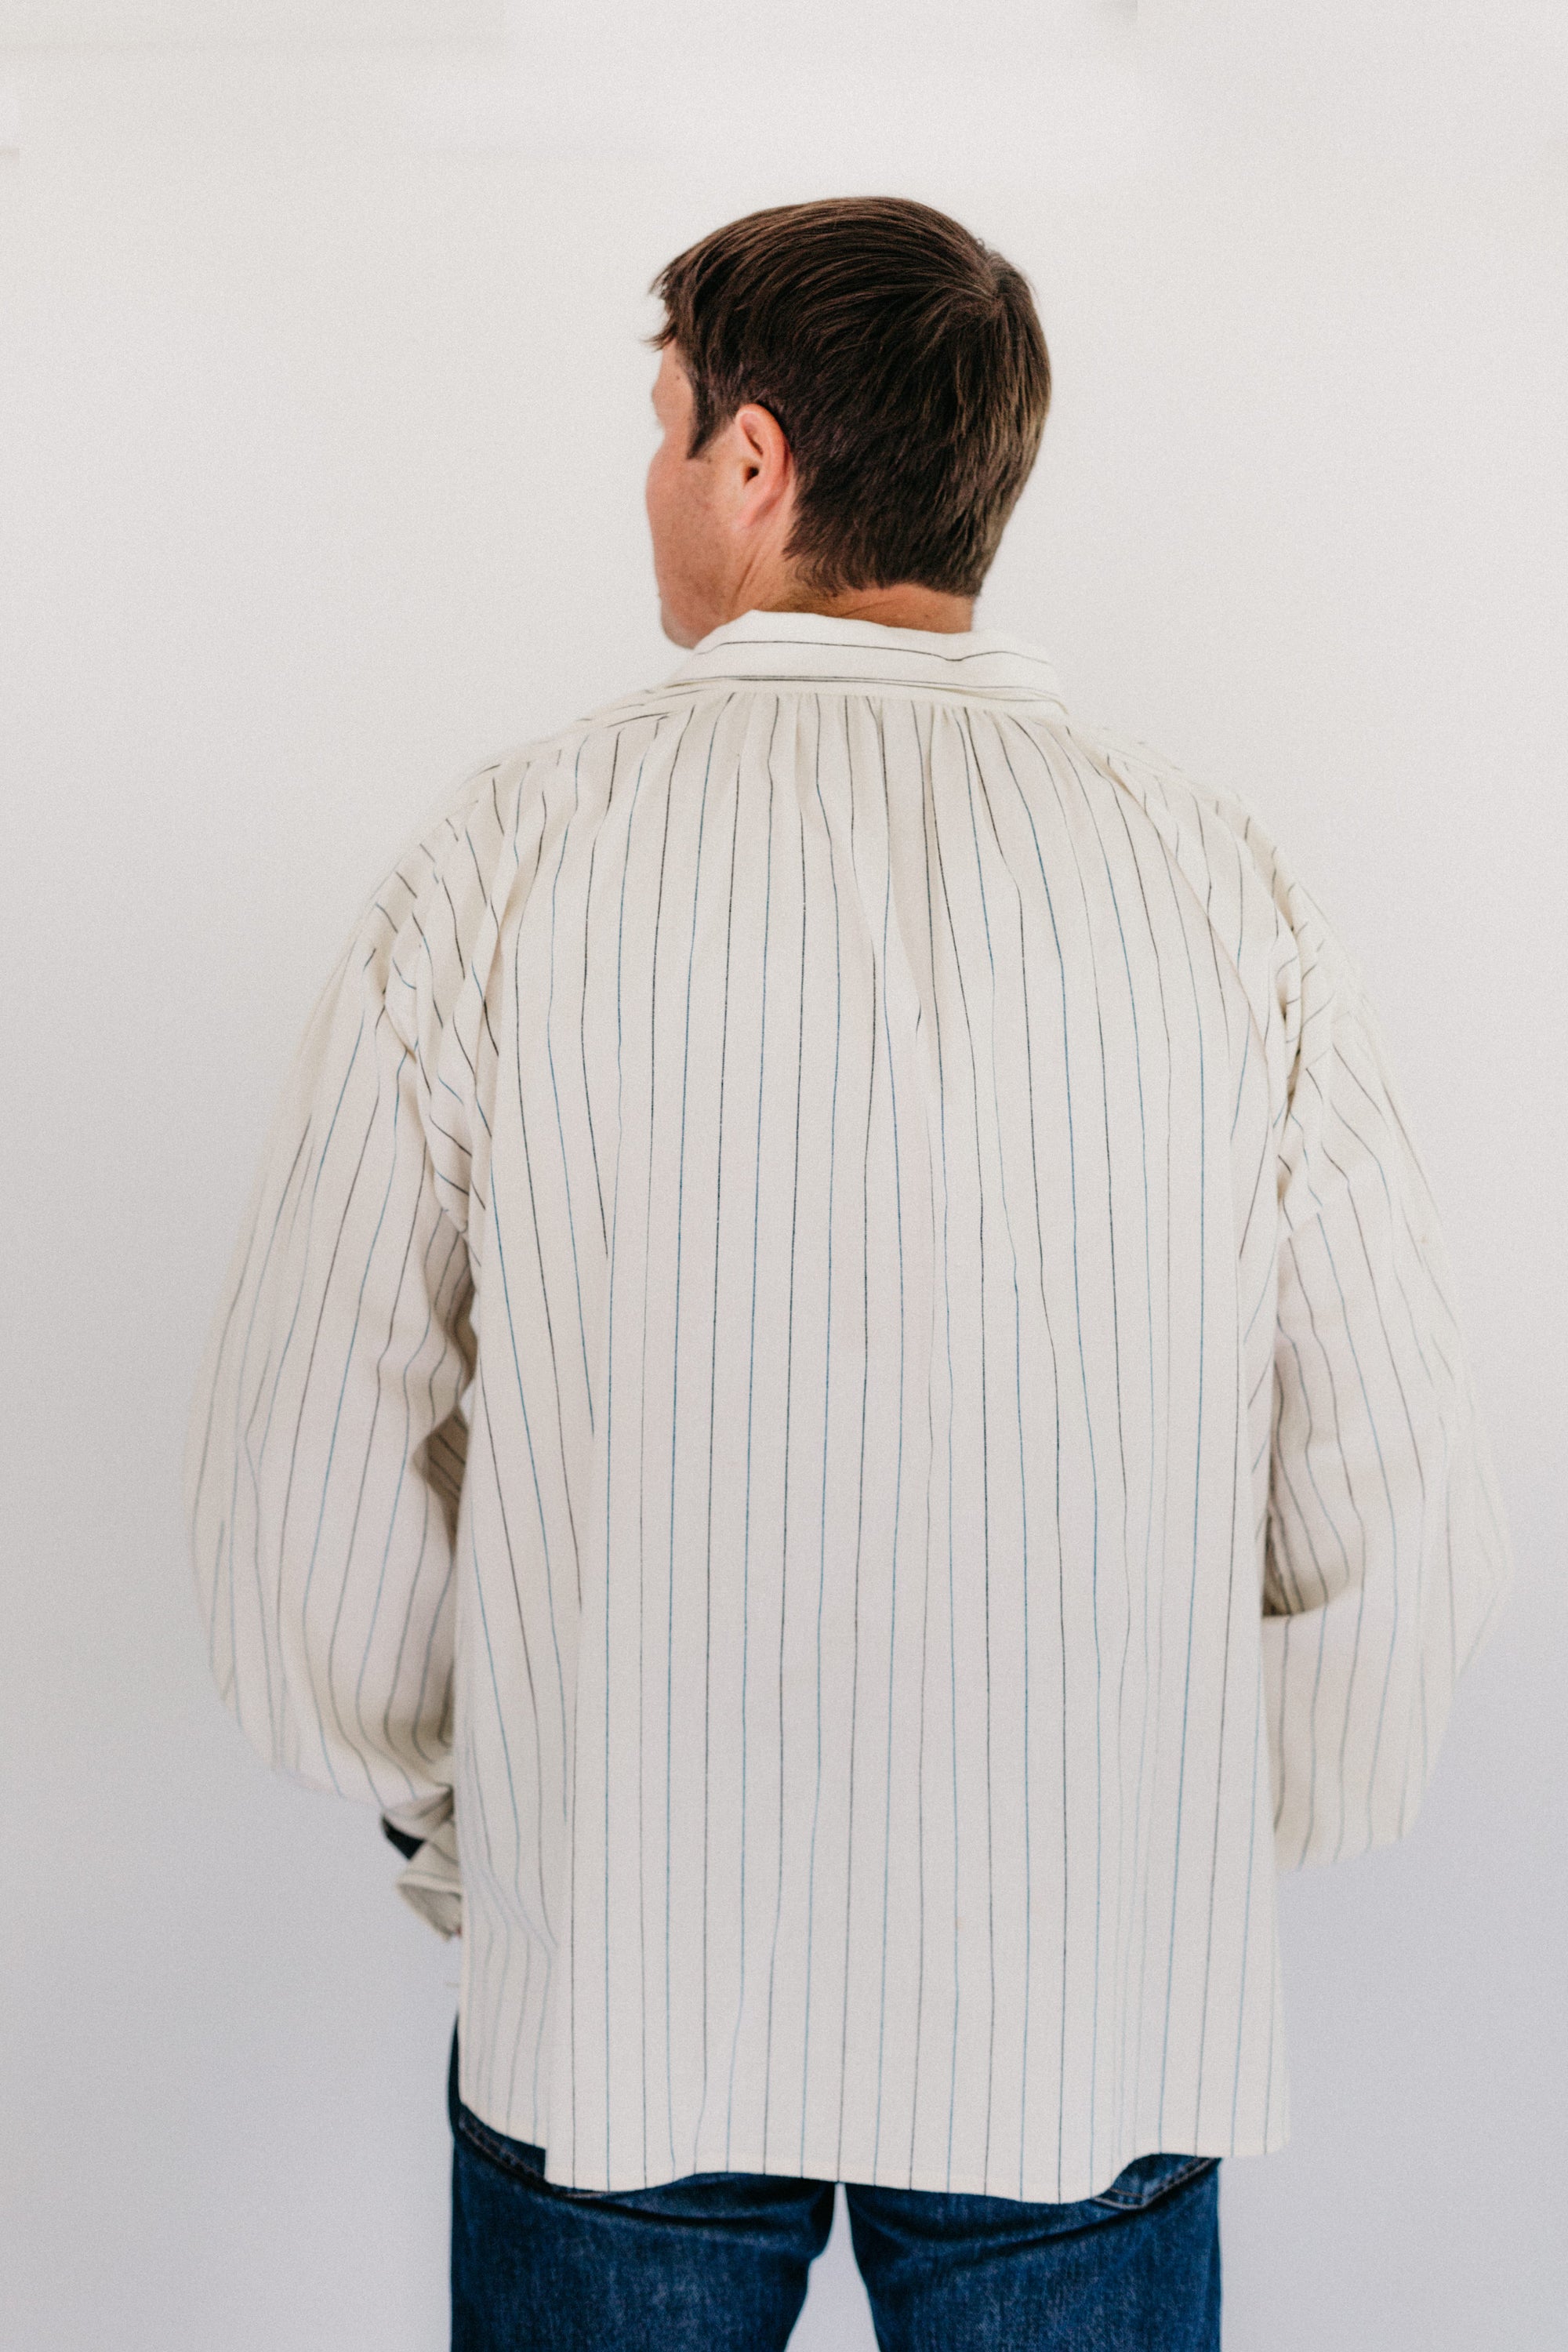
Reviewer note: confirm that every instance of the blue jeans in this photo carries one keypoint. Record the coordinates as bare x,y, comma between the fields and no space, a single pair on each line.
717,2262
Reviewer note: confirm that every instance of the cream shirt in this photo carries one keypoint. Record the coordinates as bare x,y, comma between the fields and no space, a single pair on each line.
840,1381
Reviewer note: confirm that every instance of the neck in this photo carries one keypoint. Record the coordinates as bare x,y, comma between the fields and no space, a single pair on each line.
905,605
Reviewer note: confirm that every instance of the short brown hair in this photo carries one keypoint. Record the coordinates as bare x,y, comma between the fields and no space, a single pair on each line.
904,361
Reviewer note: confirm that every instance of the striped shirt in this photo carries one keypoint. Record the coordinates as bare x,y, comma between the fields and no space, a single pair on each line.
840,1386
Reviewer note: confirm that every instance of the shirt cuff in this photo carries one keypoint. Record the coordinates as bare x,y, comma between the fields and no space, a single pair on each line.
429,1880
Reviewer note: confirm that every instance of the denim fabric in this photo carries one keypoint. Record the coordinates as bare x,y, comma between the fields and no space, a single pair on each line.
717,2262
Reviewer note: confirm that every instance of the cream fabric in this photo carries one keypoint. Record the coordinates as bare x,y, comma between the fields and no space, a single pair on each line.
841,1375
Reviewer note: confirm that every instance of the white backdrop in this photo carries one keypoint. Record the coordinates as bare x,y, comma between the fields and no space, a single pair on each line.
323,427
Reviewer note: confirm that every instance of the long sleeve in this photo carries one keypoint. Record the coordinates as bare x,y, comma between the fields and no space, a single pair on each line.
1387,1555
327,1439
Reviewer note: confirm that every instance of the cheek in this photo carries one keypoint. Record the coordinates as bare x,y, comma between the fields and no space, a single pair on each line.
659,493
673,505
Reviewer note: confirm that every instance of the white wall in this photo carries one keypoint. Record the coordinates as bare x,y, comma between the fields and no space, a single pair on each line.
322,426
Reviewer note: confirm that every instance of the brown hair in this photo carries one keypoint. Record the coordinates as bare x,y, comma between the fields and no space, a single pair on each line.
906,366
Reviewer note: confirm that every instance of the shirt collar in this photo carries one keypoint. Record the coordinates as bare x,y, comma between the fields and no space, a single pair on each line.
804,648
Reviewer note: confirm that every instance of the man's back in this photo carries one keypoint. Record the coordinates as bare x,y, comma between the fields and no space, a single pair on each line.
968,1460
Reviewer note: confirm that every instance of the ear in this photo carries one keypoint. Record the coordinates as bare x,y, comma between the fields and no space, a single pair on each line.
767,462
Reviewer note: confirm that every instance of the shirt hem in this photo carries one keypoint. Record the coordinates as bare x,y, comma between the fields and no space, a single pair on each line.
818,2165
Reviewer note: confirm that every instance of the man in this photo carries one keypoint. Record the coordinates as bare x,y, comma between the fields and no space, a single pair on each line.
840,1397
